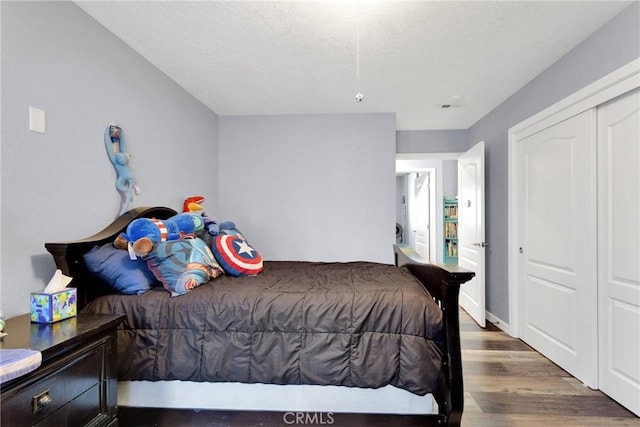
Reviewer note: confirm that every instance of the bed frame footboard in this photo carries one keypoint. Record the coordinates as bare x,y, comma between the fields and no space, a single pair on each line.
443,283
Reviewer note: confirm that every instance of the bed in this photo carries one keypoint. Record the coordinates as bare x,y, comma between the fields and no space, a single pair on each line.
356,327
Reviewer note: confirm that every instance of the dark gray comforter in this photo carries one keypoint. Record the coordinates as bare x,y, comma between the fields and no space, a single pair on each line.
352,324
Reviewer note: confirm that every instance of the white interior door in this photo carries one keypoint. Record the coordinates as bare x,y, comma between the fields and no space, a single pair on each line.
619,250
421,201
557,264
471,243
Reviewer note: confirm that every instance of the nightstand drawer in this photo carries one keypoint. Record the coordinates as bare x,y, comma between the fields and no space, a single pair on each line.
63,381
79,412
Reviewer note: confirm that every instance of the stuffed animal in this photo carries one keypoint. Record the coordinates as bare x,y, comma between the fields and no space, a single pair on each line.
193,205
119,157
189,223
144,233
182,265
230,247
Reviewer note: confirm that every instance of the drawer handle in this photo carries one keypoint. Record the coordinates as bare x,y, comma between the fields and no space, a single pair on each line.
40,401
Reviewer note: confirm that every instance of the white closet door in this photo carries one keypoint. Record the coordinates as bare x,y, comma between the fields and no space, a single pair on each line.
557,208
619,250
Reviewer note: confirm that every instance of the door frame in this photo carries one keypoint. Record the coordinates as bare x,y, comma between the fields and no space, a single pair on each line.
616,83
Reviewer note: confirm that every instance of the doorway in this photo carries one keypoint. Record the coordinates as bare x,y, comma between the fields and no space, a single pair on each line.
441,171
467,165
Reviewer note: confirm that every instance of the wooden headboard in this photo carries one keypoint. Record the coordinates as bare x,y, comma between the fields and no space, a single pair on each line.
68,255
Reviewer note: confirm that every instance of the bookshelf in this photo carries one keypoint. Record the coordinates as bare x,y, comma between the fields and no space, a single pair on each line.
450,224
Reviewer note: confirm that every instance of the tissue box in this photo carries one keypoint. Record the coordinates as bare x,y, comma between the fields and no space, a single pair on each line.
49,308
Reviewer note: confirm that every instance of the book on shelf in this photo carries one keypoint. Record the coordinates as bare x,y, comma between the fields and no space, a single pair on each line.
451,230
452,249
451,211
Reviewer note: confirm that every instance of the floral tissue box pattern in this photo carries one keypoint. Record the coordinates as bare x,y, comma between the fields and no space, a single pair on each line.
49,308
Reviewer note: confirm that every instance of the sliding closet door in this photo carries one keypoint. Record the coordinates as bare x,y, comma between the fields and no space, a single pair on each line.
619,250
557,261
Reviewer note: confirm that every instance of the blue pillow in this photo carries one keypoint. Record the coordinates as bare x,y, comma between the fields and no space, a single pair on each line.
113,266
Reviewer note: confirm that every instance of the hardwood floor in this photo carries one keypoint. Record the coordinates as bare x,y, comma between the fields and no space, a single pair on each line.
507,384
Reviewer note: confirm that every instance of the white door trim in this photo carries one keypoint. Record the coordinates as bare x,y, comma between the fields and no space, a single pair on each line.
427,156
620,81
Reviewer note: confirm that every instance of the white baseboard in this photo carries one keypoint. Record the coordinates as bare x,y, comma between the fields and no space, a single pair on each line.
504,326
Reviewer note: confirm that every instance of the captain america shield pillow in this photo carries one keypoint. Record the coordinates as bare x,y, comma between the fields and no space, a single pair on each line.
236,256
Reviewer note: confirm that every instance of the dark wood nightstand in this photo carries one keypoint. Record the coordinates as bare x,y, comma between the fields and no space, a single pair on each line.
76,383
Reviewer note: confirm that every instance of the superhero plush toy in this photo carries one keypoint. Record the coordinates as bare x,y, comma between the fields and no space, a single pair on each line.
119,157
143,234
193,205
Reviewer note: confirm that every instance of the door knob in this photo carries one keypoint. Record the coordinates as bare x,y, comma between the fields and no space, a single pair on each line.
481,244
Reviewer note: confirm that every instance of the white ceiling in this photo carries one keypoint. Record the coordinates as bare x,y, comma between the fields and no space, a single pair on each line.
294,57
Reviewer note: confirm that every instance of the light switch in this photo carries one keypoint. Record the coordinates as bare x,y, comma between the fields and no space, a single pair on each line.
36,120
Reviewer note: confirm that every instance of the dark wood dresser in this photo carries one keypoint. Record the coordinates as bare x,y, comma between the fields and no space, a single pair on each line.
76,383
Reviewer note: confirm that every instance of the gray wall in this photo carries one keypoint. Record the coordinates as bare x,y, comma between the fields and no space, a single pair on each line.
311,187
432,141
450,179
61,185
615,44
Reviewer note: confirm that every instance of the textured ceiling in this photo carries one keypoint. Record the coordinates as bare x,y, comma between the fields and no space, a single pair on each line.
296,57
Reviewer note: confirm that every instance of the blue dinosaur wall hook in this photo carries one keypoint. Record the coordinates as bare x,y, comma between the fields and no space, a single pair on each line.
119,157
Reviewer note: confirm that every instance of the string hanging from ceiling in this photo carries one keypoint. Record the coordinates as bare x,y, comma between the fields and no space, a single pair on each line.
359,95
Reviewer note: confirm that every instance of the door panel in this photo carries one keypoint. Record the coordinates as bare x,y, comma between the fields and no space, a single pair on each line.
548,163
619,249
560,303
471,234
558,257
